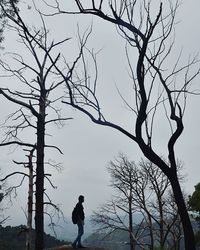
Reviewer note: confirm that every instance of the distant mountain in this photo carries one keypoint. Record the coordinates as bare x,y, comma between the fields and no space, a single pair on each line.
13,238
116,240
68,231
119,239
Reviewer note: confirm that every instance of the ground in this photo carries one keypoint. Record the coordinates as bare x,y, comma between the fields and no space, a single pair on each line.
68,247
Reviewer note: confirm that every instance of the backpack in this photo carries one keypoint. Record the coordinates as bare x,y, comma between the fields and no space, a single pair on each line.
75,215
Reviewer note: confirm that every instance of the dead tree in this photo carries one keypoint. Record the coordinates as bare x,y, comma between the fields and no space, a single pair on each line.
123,178
159,209
2,196
156,88
33,99
3,17
9,191
30,174
146,190
30,199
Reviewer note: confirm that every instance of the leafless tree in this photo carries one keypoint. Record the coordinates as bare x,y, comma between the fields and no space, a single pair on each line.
30,200
9,191
160,210
29,173
140,189
2,208
123,176
3,17
159,87
33,87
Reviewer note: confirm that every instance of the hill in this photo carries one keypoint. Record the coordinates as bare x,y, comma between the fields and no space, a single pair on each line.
116,240
13,238
67,231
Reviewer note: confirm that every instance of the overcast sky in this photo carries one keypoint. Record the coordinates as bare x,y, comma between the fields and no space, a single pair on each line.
87,147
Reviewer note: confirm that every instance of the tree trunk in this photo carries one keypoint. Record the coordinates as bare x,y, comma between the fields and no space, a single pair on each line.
151,247
131,239
30,205
39,211
161,223
182,209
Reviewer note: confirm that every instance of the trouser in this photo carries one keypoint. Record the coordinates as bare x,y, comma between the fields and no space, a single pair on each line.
80,233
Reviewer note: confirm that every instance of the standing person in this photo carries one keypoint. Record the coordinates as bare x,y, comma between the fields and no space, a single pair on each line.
80,222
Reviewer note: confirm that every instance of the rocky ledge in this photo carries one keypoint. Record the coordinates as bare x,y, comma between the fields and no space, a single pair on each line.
68,247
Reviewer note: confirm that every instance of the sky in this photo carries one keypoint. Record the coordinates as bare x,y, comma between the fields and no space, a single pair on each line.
87,148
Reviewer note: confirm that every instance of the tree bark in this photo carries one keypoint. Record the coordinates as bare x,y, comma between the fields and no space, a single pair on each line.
189,239
178,196
161,226
30,204
131,239
39,211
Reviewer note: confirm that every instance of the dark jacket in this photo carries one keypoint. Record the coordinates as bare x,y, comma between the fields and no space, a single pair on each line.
80,211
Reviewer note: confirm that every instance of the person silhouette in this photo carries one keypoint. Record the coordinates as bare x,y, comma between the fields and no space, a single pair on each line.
80,222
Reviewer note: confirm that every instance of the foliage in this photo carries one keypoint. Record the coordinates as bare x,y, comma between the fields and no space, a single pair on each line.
194,203
194,206
13,238
194,199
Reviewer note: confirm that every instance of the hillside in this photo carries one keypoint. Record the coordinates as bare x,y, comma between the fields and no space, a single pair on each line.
13,238
116,240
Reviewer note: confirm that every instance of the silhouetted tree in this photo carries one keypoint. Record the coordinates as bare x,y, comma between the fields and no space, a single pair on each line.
160,88
3,17
8,192
140,189
2,218
35,83
159,209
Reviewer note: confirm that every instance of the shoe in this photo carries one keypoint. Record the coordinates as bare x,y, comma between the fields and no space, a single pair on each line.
80,246
73,245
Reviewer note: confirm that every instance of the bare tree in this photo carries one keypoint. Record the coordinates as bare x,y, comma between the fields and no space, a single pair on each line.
141,189
2,208
122,174
12,191
36,93
160,210
3,17
159,87
9,191
30,200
